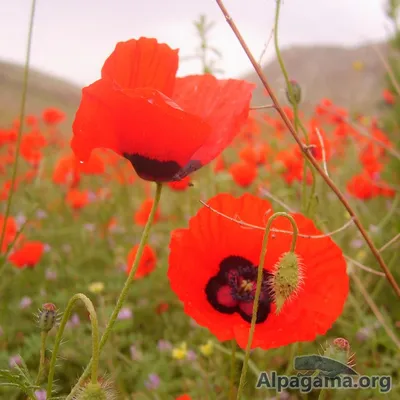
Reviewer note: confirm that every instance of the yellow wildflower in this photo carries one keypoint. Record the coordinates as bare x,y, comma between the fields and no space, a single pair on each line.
207,349
96,287
180,352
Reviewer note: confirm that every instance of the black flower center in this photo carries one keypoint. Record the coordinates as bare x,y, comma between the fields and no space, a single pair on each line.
233,289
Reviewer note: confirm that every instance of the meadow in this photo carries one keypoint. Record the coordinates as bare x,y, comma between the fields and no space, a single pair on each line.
131,260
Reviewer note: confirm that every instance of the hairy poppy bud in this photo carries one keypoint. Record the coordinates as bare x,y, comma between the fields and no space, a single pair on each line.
96,391
286,279
47,317
339,350
295,98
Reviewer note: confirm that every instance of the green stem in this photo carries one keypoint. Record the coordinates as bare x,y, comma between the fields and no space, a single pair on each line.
297,121
252,366
95,339
258,289
233,365
124,292
43,337
390,214
21,121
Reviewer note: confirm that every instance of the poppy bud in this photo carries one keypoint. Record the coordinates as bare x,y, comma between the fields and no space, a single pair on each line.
296,93
286,279
96,391
339,350
47,317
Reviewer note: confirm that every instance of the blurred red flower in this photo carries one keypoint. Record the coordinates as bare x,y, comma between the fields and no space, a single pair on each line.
27,255
147,262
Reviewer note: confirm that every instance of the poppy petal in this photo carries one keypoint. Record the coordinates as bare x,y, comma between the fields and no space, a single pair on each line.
223,104
142,63
143,125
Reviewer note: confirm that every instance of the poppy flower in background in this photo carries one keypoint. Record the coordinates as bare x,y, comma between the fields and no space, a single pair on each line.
52,116
31,146
7,136
388,97
212,269
77,199
363,186
243,173
28,255
147,262
254,155
142,214
167,127
10,231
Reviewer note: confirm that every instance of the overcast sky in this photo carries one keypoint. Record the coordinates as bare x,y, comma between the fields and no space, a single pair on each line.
72,38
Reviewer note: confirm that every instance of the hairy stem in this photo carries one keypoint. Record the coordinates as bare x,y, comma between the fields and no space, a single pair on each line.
43,339
95,339
260,270
124,292
297,122
307,154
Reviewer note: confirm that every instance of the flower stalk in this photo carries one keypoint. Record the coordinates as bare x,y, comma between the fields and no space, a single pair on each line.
263,253
95,339
124,292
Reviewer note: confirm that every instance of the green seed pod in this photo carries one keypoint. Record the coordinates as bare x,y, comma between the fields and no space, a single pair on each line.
47,317
296,93
286,279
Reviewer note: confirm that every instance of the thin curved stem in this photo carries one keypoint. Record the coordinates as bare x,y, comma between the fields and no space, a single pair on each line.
314,162
260,270
95,339
43,339
124,292
297,122
21,121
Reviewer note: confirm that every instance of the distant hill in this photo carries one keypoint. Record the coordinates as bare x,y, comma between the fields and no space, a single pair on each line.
322,71
43,91
328,71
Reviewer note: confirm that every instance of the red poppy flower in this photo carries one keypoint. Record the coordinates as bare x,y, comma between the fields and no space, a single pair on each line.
28,255
31,146
147,262
167,127
142,215
77,199
10,227
365,187
65,171
243,173
254,155
183,397
52,116
388,97
7,136
212,269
